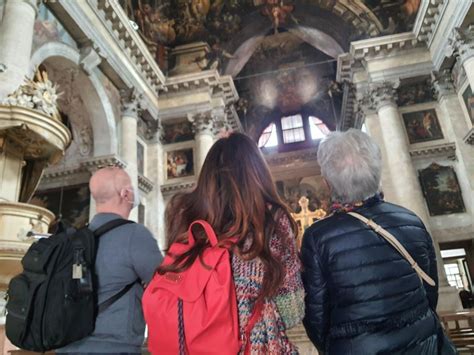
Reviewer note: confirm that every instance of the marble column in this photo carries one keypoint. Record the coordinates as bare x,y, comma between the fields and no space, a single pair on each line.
204,128
374,130
16,38
457,126
404,178
128,142
462,44
405,181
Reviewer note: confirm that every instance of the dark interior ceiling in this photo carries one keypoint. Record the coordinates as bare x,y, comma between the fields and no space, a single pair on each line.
281,53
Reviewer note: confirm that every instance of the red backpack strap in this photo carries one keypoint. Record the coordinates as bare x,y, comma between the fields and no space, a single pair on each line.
256,315
207,228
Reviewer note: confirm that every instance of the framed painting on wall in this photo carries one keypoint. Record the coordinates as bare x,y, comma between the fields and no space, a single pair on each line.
179,163
422,126
441,189
177,132
74,206
468,99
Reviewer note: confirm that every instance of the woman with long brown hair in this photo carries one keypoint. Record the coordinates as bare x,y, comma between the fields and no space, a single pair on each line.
236,195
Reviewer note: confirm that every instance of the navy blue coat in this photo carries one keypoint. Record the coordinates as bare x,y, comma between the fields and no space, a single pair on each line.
362,296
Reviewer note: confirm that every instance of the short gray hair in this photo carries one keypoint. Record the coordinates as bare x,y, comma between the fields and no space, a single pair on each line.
351,163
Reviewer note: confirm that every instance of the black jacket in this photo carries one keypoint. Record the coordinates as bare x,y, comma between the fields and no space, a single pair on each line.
362,297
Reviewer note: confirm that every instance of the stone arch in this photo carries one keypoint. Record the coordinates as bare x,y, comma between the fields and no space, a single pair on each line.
101,112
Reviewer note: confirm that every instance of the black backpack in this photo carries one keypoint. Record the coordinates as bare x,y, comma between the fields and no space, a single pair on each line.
53,302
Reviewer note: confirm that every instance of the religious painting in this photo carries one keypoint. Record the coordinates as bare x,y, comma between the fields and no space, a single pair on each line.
180,163
422,126
71,203
311,187
140,158
178,132
412,93
468,99
441,189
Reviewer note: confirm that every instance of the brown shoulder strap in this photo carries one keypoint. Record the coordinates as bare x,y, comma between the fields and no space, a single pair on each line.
396,244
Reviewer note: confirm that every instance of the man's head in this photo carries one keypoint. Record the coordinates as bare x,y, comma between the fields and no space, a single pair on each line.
113,192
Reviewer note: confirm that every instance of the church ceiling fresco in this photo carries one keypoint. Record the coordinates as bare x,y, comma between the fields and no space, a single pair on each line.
286,75
174,22
281,53
227,25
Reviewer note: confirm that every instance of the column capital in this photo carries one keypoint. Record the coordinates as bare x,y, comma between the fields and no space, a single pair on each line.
443,83
203,123
130,103
383,93
461,43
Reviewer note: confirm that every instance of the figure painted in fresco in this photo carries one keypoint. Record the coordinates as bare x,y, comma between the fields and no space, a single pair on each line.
278,12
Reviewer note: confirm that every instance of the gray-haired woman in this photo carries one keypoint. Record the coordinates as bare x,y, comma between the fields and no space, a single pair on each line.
363,297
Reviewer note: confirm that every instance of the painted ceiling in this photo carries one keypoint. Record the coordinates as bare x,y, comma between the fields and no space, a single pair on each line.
281,53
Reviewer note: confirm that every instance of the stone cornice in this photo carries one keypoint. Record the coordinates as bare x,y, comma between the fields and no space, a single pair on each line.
125,59
429,16
145,184
119,24
374,47
170,189
204,79
60,173
447,150
469,138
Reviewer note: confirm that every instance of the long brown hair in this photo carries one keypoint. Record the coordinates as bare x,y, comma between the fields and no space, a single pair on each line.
236,195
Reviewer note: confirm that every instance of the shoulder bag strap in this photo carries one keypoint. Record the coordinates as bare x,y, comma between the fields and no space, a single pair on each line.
396,244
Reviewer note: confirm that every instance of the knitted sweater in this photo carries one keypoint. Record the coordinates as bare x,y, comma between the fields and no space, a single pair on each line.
283,311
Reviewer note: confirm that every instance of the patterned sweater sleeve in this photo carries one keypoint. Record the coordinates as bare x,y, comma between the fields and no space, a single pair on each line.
290,297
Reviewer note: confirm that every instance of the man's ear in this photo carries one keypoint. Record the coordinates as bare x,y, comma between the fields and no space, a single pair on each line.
123,194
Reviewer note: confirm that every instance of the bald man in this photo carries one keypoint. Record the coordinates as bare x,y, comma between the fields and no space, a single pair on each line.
126,254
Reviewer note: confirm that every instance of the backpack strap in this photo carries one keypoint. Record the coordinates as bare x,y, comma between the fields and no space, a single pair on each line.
396,244
107,227
107,303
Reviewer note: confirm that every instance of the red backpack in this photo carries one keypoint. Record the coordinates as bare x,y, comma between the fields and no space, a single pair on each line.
194,311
